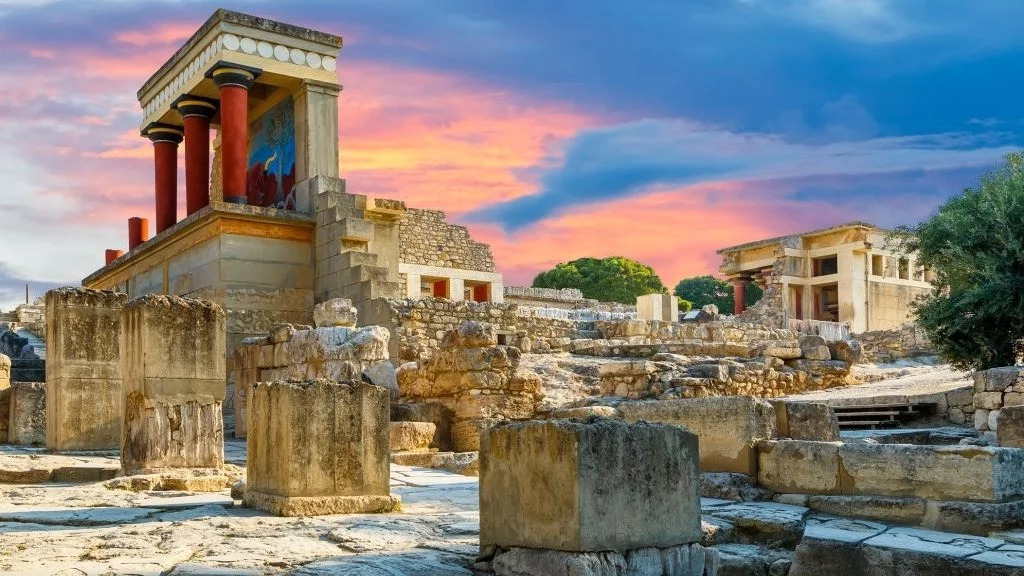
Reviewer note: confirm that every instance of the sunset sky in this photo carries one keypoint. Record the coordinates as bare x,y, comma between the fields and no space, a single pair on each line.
656,130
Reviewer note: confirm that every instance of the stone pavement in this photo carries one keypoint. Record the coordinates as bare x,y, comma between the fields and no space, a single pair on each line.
87,529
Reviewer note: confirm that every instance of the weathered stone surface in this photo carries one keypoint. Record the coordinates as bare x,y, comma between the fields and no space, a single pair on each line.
981,518
813,347
5,372
173,367
728,427
800,467
686,560
318,447
585,486
1010,427
434,412
335,312
848,351
27,423
383,374
751,559
411,436
472,335
585,412
83,369
806,421
731,486
882,508
936,472
768,523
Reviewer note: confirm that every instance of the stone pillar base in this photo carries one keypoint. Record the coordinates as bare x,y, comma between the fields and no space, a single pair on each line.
684,560
321,505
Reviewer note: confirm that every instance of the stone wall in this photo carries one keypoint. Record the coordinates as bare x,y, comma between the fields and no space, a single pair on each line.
993,389
427,239
476,379
287,354
562,299
906,341
770,310
32,317
418,326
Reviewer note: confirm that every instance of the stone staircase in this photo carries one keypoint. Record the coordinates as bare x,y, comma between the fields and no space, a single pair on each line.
351,234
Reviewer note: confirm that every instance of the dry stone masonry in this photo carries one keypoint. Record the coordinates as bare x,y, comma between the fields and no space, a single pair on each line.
994,389
173,368
318,447
83,375
476,380
428,239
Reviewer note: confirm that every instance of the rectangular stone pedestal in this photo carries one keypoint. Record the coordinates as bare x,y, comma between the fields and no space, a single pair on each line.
83,369
173,366
588,486
27,413
318,447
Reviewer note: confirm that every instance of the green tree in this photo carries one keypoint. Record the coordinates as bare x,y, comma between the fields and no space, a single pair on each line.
704,290
974,247
613,279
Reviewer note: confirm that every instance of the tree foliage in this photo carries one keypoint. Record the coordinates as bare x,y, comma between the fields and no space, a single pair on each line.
704,290
613,279
974,245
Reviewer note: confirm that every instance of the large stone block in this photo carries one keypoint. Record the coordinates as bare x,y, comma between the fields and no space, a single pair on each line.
27,416
1010,428
83,369
969,473
806,421
728,427
799,467
581,486
318,447
173,368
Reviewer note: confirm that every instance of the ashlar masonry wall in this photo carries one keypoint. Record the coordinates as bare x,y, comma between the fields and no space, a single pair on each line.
428,239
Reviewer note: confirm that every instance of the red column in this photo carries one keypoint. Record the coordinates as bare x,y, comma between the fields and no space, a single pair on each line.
738,289
196,114
234,86
111,255
138,231
165,151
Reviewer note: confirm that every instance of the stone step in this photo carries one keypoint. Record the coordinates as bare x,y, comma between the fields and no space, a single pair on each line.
362,273
353,258
370,289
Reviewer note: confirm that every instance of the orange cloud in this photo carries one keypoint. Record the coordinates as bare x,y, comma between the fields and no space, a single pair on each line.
439,141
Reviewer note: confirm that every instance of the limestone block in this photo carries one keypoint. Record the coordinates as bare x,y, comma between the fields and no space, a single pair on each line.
728,427
848,351
173,367
318,447
383,374
880,508
335,312
281,333
472,334
83,369
411,436
27,416
466,433
1013,399
799,467
981,419
970,473
993,420
988,400
778,351
581,486
814,347
433,412
806,421
996,379
1010,429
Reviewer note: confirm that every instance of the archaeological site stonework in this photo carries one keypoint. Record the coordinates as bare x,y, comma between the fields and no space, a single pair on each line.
428,239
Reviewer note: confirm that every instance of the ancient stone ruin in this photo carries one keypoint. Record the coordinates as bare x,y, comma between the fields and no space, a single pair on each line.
299,379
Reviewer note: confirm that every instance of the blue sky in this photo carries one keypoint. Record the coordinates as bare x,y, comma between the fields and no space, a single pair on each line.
681,126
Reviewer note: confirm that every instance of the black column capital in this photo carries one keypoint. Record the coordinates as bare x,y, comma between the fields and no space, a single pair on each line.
158,132
188,105
230,74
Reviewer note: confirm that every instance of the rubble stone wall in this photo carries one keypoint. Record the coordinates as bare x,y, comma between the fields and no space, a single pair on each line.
906,341
426,238
993,389
419,326
770,310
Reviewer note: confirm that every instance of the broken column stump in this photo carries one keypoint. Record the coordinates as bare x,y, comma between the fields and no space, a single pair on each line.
173,366
318,447
560,494
83,369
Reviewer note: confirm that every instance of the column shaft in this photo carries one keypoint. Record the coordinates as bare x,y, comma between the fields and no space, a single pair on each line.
197,163
738,294
234,83
166,180
138,231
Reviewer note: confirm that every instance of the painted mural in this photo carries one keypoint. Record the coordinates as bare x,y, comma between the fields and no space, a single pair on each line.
271,177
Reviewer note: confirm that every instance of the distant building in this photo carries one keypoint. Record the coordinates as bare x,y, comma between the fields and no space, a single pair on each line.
840,274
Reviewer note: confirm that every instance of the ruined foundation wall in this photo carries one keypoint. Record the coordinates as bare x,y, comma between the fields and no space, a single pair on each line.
427,239
418,326
770,310
906,341
993,389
